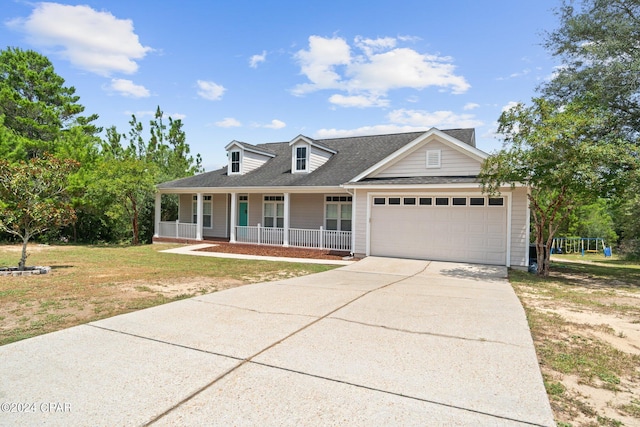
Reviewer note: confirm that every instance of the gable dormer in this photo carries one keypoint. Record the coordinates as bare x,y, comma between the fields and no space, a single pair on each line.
308,155
243,157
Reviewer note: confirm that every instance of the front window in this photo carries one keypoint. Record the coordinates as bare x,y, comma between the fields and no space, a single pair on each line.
274,211
301,158
235,162
206,211
338,213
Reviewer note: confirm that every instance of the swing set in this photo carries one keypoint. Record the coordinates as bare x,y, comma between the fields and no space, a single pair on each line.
579,245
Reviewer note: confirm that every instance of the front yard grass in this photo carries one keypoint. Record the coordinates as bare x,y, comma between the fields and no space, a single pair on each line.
585,320
88,283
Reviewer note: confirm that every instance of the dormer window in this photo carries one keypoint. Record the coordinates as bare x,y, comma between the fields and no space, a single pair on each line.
235,162
301,159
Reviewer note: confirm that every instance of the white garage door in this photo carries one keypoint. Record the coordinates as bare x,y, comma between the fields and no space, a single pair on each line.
445,228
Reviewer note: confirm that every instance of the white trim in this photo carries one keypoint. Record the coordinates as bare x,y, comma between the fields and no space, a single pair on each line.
158,214
505,194
287,207
234,216
230,167
199,206
312,143
339,218
242,146
294,158
429,160
210,203
254,190
409,187
422,139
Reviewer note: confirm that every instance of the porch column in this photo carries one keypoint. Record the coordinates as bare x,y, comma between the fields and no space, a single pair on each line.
285,237
156,222
234,218
199,209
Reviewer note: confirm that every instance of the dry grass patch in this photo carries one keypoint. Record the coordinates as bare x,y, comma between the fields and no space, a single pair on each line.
88,283
585,322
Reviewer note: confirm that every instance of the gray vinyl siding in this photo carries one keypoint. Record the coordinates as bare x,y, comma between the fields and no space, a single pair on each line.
252,161
519,235
184,212
306,211
255,209
317,158
453,163
219,217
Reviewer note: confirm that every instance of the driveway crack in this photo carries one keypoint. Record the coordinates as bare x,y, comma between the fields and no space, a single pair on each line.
409,331
250,359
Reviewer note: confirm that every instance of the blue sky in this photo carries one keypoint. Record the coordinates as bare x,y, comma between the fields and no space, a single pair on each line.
268,71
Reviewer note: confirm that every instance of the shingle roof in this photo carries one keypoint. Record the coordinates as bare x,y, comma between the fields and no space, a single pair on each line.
354,155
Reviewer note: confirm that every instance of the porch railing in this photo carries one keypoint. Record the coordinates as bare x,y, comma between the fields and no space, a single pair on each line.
177,229
298,237
318,238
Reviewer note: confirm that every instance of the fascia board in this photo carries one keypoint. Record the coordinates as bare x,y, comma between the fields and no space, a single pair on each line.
311,143
215,190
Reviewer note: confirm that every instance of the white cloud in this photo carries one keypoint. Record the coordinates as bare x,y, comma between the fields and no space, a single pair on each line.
408,121
515,75
510,105
470,106
256,59
228,122
129,89
178,116
210,90
437,119
320,61
379,66
275,124
91,40
358,101
365,130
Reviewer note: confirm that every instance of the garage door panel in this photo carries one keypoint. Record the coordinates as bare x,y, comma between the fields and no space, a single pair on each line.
450,233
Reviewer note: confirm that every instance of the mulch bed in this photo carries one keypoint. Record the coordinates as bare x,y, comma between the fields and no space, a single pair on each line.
276,251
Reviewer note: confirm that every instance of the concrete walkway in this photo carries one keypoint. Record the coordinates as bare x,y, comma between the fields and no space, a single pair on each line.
379,342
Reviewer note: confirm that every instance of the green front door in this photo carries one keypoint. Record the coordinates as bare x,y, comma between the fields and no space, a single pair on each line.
243,214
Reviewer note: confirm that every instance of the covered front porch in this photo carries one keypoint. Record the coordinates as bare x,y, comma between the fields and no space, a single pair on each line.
303,220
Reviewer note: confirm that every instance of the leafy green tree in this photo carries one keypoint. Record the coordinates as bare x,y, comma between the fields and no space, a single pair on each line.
34,198
564,154
592,220
35,103
124,187
598,46
164,156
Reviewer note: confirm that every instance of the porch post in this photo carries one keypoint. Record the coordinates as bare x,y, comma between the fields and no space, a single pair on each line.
285,237
199,209
156,222
234,218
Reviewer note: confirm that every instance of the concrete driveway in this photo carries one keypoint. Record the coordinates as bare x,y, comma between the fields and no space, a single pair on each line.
380,342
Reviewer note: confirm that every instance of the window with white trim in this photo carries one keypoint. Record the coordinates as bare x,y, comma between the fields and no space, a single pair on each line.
234,162
207,210
301,159
273,211
433,159
338,213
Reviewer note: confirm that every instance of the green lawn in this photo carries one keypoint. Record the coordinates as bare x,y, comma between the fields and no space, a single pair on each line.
93,282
